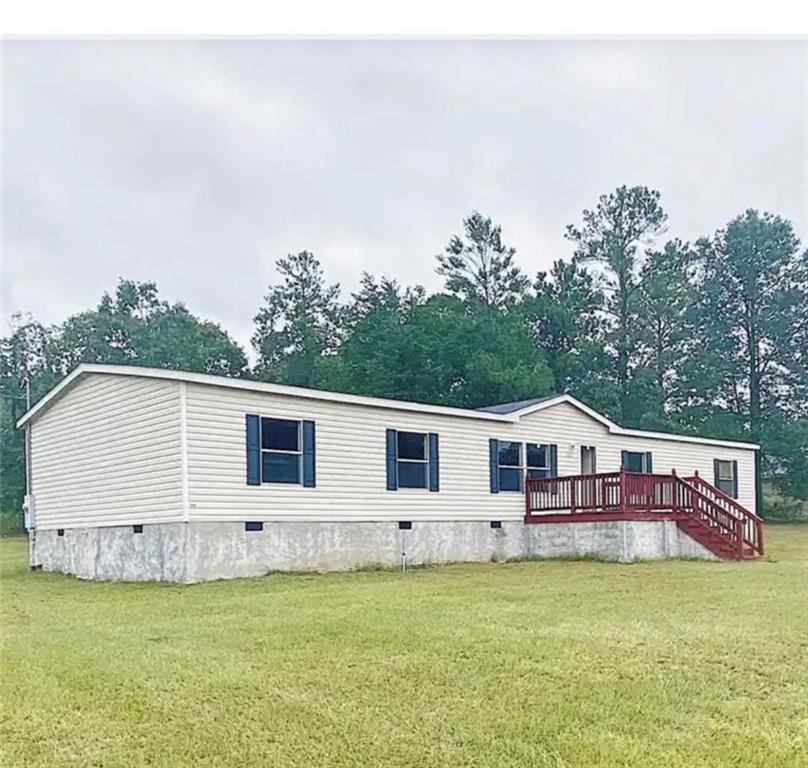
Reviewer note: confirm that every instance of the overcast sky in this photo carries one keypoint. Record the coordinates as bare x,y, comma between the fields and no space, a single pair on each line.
198,164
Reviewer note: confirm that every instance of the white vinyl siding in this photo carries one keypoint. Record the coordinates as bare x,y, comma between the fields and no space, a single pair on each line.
570,428
351,455
111,450
108,453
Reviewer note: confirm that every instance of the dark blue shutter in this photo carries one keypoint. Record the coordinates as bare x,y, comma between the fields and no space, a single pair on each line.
553,460
434,480
253,450
734,479
716,473
493,461
309,478
623,459
649,464
392,456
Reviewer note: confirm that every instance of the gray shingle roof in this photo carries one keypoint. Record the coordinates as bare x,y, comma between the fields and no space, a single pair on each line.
515,406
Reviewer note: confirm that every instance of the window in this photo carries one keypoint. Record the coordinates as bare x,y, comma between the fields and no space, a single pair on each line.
538,461
509,462
412,459
280,450
589,464
725,477
637,461
506,467
253,525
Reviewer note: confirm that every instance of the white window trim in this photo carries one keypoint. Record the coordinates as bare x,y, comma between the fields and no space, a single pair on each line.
425,461
262,450
723,480
520,466
644,454
547,467
728,462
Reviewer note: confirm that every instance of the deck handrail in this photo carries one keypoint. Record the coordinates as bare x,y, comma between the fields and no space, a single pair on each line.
697,504
697,479
753,524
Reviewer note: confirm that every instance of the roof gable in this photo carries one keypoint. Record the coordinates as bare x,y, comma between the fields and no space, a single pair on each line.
549,402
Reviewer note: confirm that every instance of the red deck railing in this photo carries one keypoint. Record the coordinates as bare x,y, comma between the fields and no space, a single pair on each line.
752,533
627,495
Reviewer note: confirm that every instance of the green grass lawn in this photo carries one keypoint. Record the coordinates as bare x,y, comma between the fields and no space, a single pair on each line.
677,663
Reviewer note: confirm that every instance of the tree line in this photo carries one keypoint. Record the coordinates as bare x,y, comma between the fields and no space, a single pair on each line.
704,338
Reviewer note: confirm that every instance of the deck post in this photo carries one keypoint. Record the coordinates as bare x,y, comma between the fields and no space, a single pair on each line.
674,493
527,498
622,490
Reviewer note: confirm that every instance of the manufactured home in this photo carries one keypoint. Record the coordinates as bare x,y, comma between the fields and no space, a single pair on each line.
150,474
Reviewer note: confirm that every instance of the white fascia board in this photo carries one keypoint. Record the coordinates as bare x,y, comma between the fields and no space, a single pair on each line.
258,386
616,429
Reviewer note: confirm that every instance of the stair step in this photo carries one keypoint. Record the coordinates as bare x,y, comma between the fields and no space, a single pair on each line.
720,544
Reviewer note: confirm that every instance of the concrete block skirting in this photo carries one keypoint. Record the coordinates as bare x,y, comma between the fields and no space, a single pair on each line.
191,552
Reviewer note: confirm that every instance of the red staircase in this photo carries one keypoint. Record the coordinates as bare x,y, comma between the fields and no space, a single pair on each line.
706,514
732,528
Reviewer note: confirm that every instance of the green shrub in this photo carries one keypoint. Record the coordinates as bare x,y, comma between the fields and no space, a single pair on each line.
777,507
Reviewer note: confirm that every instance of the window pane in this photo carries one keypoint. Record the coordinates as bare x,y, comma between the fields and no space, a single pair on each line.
510,454
411,474
537,455
411,445
280,467
635,462
510,479
280,434
725,486
538,473
725,470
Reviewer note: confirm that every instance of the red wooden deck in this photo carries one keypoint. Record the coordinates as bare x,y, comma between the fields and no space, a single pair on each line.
708,515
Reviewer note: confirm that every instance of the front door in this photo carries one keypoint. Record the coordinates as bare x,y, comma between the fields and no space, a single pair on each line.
588,460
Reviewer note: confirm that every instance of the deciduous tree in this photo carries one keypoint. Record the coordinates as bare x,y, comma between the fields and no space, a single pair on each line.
133,326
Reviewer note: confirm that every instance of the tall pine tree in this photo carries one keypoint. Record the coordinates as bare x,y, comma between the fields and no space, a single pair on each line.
299,322
754,329
480,267
614,236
